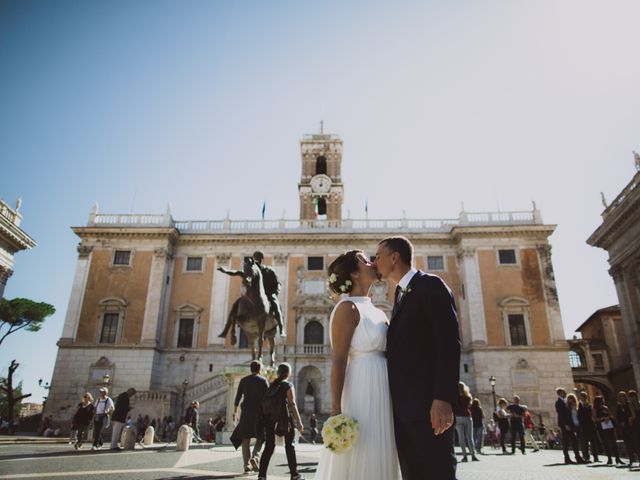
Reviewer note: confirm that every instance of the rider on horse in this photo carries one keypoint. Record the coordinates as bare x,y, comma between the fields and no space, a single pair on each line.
271,287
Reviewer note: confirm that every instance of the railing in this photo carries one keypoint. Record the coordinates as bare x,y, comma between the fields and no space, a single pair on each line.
308,349
623,195
226,226
207,386
9,213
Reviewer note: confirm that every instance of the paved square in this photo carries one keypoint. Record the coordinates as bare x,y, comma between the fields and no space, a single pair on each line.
43,461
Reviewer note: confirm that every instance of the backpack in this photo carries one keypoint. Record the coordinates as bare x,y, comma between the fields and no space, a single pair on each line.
274,407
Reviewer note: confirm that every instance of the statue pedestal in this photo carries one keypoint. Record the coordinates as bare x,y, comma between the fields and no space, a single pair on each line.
233,374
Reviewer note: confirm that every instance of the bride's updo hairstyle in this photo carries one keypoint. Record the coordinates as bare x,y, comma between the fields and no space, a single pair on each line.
340,272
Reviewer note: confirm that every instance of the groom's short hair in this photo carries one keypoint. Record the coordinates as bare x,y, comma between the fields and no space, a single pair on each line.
401,245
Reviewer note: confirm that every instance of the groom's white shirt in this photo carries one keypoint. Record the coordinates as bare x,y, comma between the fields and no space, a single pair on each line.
404,281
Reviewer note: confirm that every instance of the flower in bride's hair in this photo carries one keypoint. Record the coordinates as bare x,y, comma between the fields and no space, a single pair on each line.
332,278
346,286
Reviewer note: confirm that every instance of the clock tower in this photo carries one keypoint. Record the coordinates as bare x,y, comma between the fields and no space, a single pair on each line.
320,188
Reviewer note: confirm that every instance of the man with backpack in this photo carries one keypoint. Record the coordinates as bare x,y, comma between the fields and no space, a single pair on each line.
251,391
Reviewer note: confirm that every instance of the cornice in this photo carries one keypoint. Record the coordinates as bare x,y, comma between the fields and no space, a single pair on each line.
15,236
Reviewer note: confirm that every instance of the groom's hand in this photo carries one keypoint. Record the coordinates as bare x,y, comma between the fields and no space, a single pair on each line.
441,416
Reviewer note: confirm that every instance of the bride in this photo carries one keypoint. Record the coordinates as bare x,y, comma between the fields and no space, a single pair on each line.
359,383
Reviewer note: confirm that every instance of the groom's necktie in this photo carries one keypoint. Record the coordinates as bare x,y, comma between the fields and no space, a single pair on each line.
395,300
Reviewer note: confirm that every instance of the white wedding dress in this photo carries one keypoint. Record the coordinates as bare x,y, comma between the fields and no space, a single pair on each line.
366,398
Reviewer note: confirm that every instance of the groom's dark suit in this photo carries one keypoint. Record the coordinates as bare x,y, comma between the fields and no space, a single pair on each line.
423,352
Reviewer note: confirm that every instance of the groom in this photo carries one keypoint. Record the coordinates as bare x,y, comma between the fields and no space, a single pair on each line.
423,353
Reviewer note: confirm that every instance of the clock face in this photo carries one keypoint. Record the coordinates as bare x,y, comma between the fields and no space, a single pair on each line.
321,184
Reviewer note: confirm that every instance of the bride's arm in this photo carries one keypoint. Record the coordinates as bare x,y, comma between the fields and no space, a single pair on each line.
344,324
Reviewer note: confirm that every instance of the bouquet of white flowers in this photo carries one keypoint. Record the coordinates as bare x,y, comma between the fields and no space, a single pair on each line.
340,433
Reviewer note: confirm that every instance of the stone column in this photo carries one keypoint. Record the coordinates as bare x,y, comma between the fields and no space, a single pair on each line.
219,296
153,310
5,273
628,319
473,302
77,294
280,264
556,330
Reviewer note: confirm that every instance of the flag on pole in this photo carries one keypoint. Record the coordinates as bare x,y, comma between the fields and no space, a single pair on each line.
366,208
264,208
315,208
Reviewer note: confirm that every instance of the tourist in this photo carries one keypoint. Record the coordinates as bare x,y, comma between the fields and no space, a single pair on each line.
81,419
589,435
286,394
625,418
464,423
250,390
516,416
119,416
477,415
606,428
503,423
103,408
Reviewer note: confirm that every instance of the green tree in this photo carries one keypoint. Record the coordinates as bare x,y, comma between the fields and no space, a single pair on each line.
13,395
22,313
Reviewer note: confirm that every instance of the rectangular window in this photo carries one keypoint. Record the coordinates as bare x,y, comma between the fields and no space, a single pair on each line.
517,330
122,257
185,333
598,362
109,328
315,263
435,263
194,264
507,257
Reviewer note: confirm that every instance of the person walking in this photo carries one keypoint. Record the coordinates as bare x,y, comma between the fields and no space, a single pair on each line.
313,425
634,405
588,429
625,419
464,424
284,392
565,422
103,408
606,428
502,417
250,390
529,428
119,416
516,424
192,418
81,419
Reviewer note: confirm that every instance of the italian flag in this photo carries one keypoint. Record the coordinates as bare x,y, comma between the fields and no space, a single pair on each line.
315,208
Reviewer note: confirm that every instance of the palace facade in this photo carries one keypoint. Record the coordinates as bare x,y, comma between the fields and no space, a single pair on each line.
148,303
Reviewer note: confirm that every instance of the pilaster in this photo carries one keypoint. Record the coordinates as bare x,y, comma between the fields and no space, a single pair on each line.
556,330
473,302
77,294
153,310
219,300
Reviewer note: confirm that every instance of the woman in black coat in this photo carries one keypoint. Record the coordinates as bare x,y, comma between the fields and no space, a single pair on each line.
82,418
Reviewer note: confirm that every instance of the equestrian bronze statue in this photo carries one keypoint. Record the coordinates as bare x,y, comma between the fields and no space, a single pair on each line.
257,312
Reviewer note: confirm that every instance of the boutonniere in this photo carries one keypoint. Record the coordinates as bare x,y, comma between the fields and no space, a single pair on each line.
405,291
248,280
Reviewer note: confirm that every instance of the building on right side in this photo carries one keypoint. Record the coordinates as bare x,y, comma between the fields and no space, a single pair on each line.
619,235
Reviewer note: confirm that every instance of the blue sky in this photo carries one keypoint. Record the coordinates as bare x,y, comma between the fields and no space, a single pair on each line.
201,105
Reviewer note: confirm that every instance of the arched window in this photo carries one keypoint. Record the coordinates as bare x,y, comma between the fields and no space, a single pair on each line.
322,206
313,333
576,359
321,165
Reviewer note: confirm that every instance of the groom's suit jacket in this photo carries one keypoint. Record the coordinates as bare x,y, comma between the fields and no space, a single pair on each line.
423,348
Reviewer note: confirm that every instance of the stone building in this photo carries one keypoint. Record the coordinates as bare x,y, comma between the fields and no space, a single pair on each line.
148,302
619,235
600,360
12,240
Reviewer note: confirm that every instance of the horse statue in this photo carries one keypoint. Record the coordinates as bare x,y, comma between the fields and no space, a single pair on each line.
251,312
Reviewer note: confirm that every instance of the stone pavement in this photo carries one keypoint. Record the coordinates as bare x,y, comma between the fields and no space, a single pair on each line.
44,461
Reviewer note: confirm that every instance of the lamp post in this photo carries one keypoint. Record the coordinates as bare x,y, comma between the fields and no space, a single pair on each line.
105,379
492,381
185,384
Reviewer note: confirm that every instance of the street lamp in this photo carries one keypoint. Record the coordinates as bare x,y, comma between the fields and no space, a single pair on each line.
105,379
492,381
